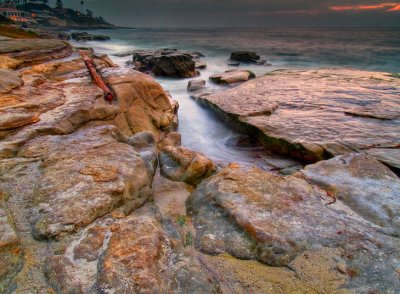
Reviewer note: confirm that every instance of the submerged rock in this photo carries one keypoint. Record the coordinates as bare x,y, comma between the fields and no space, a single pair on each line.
245,56
285,221
232,77
303,113
165,62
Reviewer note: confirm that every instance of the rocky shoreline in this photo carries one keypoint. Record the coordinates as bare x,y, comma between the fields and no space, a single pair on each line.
101,198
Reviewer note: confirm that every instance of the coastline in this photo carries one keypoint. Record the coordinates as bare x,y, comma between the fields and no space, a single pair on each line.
99,197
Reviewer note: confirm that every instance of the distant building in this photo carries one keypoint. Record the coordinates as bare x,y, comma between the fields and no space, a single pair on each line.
22,2
15,14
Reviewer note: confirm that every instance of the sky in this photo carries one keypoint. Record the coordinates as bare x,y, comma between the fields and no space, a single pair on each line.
245,13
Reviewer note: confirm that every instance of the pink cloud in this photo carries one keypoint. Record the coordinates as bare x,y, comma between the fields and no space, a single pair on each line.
387,6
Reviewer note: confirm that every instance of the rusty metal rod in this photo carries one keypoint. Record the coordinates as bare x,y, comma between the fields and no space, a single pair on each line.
97,78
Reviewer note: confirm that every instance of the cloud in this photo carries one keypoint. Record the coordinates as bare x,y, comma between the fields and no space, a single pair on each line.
242,13
388,7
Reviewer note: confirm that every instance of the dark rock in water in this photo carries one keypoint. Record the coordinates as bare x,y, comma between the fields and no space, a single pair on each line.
245,56
84,36
234,64
165,62
195,85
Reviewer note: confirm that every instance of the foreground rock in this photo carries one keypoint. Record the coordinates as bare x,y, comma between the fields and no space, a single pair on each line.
245,56
69,159
232,77
362,183
314,115
165,62
34,51
10,250
84,37
285,221
182,164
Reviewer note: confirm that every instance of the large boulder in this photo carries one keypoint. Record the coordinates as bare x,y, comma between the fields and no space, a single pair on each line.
232,77
245,56
285,221
182,164
317,114
144,103
104,174
165,62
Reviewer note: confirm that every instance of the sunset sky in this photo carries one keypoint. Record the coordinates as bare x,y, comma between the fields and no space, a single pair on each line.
240,13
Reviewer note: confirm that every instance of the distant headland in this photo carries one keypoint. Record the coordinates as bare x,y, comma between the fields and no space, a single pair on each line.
38,13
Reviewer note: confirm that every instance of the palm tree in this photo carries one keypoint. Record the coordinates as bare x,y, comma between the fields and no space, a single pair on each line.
59,4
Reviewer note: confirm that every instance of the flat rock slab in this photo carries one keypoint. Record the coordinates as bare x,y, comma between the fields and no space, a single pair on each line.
317,114
286,221
31,51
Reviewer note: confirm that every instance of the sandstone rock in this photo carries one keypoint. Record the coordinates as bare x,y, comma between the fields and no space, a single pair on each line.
84,37
245,56
285,221
144,103
172,139
102,174
303,113
133,254
232,76
10,252
9,80
364,184
34,51
195,85
59,70
8,62
165,62
181,164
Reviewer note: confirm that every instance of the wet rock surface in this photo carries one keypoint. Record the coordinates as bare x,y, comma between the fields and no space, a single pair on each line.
306,114
285,221
166,62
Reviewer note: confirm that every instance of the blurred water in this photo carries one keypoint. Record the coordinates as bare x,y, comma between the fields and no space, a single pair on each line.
369,49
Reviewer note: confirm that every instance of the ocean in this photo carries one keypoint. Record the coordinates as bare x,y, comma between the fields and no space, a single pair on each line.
285,48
